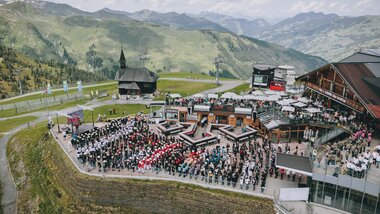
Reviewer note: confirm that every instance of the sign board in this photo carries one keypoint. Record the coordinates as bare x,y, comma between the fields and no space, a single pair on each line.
48,88
76,117
79,83
65,86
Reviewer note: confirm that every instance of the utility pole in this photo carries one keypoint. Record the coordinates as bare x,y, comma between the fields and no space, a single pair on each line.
217,62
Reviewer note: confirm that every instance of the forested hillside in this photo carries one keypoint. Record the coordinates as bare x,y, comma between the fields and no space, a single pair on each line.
34,75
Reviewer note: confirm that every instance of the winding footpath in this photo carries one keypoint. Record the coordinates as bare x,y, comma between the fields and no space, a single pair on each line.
9,198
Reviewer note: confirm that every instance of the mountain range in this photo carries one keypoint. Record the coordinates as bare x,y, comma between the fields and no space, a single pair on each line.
329,36
48,31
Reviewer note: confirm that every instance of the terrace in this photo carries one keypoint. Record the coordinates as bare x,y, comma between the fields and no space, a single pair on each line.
198,136
239,133
168,128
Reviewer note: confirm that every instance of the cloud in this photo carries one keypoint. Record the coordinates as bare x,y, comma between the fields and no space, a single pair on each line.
302,6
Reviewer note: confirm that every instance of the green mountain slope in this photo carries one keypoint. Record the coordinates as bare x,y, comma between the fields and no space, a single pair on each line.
330,36
94,43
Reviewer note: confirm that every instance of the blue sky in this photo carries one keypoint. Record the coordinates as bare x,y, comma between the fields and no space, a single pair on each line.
238,8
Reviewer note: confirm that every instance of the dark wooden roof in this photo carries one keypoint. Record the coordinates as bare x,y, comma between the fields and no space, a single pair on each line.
136,75
131,86
354,74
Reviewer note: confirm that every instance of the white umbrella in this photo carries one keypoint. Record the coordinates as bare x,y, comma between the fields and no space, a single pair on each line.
261,98
228,95
237,97
175,95
304,100
212,96
288,108
199,95
274,98
257,93
299,104
249,97
313,110
290,101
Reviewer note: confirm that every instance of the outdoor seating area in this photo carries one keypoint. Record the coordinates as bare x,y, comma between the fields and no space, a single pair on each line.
197,138
169,128
238,133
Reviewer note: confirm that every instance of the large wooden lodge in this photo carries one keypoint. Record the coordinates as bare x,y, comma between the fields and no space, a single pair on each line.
353,83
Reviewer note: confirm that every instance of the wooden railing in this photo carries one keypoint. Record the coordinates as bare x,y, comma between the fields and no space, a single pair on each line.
336,97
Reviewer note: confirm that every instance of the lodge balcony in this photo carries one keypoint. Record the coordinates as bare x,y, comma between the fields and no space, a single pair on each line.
336,97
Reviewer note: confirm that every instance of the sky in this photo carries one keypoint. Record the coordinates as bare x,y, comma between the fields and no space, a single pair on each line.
271,9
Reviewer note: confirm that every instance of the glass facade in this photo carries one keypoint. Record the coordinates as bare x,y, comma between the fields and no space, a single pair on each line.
343,198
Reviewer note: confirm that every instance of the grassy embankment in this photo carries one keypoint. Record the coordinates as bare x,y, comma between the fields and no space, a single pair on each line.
47,182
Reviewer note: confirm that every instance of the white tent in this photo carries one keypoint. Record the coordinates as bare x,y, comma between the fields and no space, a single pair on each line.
259,93
237,97
304,100
201,108
299,104
313,110
292,91
271,92
288,108
212,96
175,95
274,98
290,100
246,111
260,98
249,97
228,95
199,95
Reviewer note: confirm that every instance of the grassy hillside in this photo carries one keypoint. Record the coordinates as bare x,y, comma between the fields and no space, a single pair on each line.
35,32
47,182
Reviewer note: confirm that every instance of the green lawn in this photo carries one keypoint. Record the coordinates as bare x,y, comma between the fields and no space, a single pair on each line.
188,75
9,124
109,88
240,88
181,87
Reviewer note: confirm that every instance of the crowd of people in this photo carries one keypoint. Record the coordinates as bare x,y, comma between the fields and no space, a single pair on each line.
128,143
353,155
